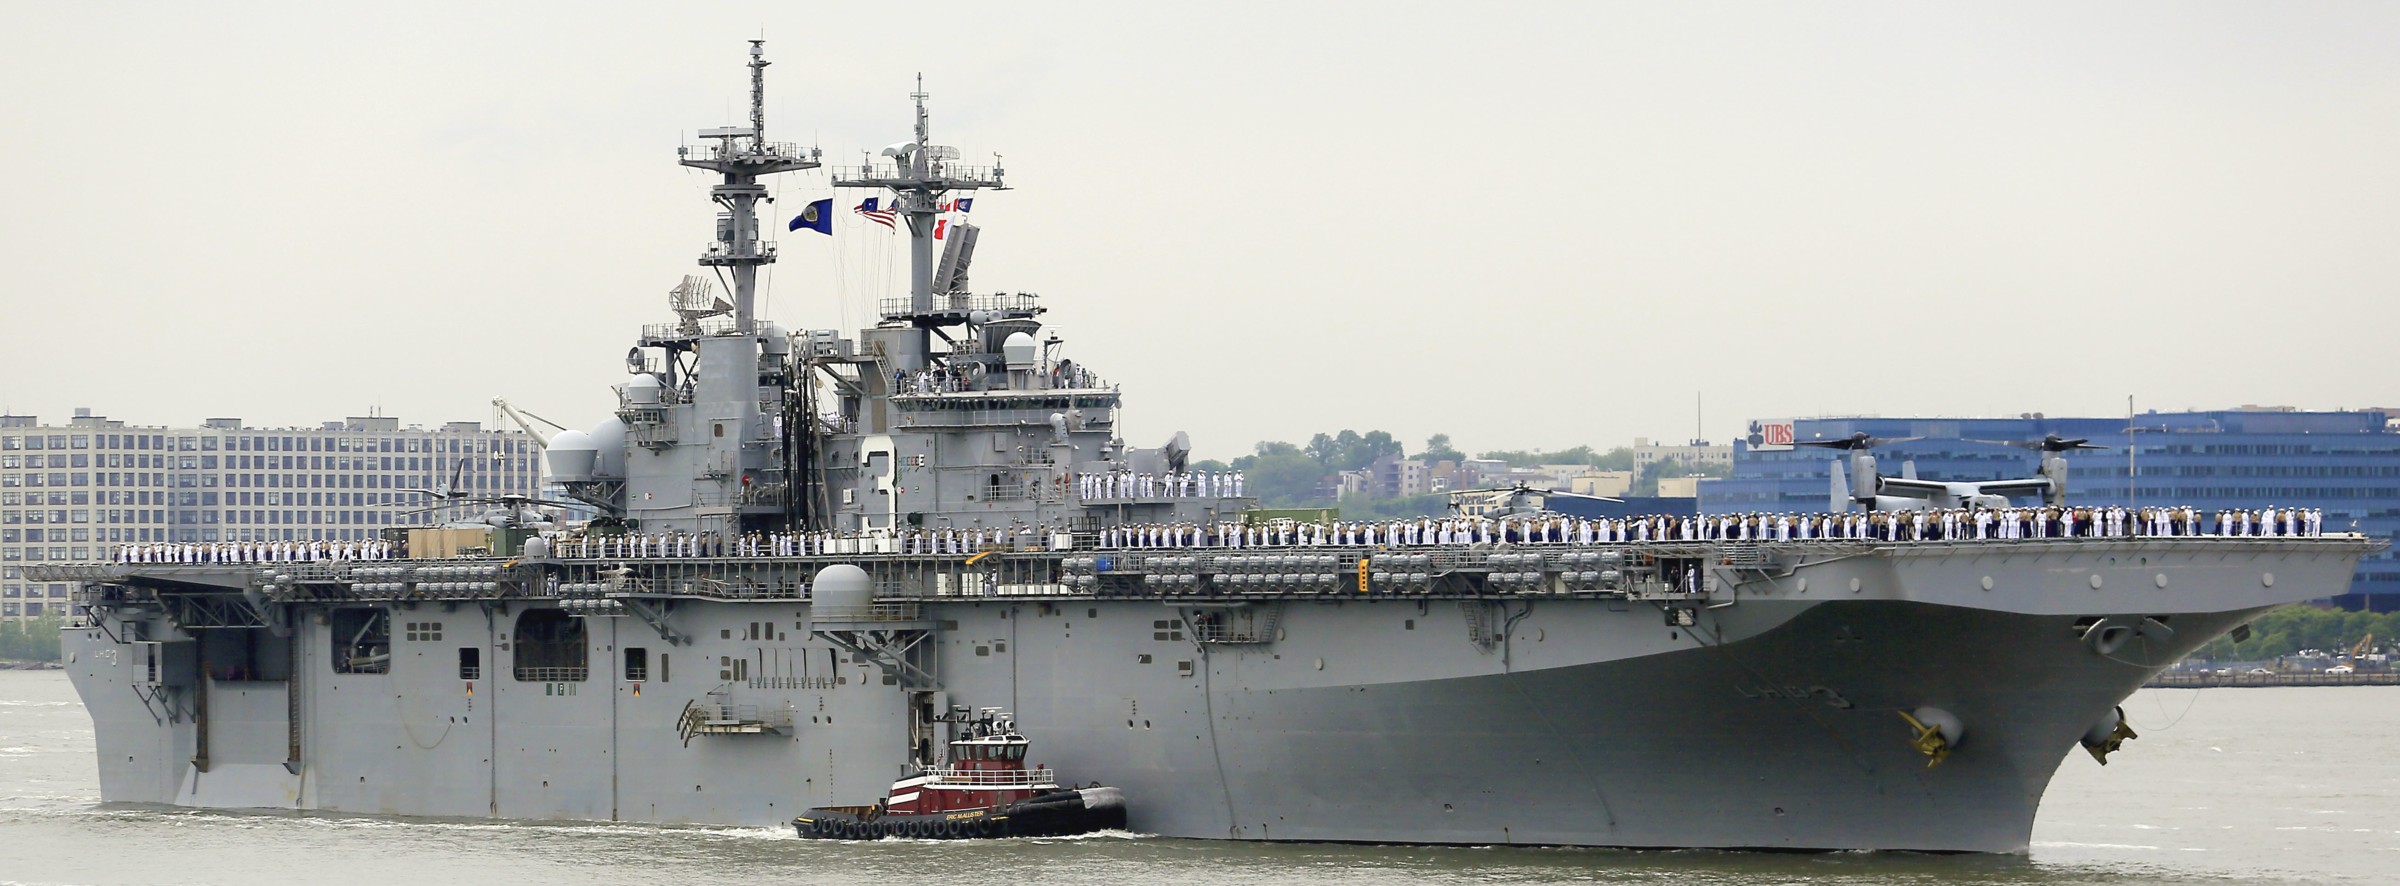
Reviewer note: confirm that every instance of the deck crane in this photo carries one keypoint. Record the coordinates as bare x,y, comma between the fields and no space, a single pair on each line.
519,416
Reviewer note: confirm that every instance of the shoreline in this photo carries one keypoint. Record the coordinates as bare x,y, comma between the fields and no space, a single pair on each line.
2213,681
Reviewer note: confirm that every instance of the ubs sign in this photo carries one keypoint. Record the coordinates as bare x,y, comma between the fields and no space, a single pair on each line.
1771,435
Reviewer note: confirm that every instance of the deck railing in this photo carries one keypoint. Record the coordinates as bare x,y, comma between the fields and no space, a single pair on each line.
553,675
986,778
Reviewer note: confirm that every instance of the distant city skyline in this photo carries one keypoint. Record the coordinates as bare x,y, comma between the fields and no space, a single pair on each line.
1529,226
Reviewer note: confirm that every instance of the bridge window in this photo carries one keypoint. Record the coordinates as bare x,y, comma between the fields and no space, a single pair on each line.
551,648
362,641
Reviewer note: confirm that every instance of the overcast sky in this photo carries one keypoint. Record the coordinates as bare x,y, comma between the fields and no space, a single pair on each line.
1525,225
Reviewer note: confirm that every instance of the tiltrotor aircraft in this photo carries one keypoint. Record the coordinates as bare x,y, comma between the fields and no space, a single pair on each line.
1876,492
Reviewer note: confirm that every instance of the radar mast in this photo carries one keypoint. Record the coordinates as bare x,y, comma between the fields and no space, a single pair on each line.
742,155
918,174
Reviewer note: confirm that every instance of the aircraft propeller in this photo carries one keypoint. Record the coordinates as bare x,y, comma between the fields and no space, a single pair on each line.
1856,441
2051,443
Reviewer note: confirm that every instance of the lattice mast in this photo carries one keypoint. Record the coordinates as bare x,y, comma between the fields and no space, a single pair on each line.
742,155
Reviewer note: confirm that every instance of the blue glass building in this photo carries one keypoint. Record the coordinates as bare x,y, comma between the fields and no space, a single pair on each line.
2347,463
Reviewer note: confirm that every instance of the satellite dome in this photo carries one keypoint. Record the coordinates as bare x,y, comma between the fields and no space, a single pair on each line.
608,438
1018,350
571,457
841,587
644,390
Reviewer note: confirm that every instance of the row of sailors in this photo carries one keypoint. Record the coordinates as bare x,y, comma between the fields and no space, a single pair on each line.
1173,484
253,551
1068,375
792,544
949,381
1928,525
2018,523
928,381
1959,524
1918,525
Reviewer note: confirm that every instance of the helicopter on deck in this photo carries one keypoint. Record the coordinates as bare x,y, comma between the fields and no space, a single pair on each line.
1520,500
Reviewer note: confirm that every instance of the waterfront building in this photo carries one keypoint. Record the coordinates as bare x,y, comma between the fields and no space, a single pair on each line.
2345,462
1697,455
76,492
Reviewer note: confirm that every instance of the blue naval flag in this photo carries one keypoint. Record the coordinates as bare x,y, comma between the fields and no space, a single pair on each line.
817,217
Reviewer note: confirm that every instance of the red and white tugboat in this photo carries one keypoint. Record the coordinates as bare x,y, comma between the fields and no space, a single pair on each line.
985,791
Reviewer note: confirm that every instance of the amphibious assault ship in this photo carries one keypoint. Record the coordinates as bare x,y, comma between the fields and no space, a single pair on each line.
1656,693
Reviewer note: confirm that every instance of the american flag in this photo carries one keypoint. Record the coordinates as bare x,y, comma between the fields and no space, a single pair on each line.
882,217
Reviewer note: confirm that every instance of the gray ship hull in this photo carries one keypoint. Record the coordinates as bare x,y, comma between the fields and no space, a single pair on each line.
1773,721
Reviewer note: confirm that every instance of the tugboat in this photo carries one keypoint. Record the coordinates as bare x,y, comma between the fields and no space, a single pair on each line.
985,791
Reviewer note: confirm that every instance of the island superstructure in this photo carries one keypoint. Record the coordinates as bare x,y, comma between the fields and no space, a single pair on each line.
817,548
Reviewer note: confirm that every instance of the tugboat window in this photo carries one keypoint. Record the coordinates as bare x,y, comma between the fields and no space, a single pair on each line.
551,648
362,642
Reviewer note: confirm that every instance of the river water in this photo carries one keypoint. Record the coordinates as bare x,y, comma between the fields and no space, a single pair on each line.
2282,785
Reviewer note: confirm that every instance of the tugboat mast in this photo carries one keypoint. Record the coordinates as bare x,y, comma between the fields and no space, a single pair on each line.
743,155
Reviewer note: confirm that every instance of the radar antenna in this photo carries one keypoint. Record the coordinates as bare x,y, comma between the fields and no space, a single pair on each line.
696,297
742,154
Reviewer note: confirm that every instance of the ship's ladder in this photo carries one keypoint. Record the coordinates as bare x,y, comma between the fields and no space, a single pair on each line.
1482,624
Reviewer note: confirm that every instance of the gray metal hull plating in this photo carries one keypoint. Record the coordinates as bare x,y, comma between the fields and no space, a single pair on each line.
1771,723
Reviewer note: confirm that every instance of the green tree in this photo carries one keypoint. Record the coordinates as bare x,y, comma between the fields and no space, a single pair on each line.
1283,480
1618,459
1274,447
34,639
1646,483
1429,505
2289,630
1437,449
1322,448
